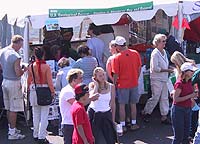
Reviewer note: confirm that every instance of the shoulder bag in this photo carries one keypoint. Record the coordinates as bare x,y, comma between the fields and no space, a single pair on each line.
44,97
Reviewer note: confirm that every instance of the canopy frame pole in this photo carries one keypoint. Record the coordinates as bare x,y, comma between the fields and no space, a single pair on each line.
26,41
180,17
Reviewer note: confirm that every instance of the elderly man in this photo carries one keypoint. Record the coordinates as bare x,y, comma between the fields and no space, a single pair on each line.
11,86
126,68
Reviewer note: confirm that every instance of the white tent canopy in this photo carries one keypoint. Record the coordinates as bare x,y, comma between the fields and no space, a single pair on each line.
39,11
191,7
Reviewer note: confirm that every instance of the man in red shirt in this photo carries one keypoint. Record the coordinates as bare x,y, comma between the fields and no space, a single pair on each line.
126,67
82,133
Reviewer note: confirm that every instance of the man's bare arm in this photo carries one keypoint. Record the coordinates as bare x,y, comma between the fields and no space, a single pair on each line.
18,70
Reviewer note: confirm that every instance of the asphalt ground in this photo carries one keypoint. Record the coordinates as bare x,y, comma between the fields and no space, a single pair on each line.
149,133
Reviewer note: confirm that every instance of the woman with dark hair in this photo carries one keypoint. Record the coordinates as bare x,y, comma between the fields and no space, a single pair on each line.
87,63
43,77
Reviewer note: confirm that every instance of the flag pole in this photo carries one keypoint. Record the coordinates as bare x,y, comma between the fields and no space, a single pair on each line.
180,17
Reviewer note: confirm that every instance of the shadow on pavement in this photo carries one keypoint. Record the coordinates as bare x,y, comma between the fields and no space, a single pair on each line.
149,133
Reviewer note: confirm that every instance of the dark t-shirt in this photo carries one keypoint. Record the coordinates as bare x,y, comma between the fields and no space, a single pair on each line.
196,80
67,51
172,45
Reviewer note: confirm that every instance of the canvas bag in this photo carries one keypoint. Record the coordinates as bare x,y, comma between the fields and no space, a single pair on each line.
44,97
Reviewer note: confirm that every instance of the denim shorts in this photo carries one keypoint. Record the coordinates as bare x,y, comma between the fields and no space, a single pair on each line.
128,95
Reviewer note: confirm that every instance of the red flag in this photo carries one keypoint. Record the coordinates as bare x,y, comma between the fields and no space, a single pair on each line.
185,23
175,22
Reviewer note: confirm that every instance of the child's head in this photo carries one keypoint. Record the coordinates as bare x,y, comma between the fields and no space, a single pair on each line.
63,62
187,70
82,93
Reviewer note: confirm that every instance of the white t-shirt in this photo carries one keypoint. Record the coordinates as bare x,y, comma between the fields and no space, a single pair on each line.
66,94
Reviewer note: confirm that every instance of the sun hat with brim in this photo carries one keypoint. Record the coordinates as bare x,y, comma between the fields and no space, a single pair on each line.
188,66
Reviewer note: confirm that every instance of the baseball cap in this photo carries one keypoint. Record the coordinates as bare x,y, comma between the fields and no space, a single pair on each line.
81,89
112,42
119,40
188,66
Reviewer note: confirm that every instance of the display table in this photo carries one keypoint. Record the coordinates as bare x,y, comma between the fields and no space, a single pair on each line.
54,108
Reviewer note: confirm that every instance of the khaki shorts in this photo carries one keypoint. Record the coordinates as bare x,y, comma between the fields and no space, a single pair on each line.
12,95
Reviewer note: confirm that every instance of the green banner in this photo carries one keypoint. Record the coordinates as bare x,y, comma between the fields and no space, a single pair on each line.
56,13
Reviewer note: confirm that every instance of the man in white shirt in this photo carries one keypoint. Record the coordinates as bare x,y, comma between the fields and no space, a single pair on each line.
66,99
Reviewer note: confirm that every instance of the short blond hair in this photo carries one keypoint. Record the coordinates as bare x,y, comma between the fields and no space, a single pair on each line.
157,38
73,74
17,39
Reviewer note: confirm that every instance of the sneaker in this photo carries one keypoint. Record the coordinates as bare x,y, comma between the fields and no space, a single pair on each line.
134,127
166,121
35,139
119,129
16,136
124,129
190,139
43,141
60,133
17,131
146,118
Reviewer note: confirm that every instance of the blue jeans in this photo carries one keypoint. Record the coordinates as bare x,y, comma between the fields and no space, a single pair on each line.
67,133
181,117
194,123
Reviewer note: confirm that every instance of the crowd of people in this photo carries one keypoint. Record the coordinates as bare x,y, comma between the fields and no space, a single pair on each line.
93,92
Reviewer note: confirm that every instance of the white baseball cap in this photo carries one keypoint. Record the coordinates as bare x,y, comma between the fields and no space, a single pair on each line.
188,66
112,42
119,40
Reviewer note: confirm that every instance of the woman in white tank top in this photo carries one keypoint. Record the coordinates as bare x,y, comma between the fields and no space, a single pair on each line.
102,111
